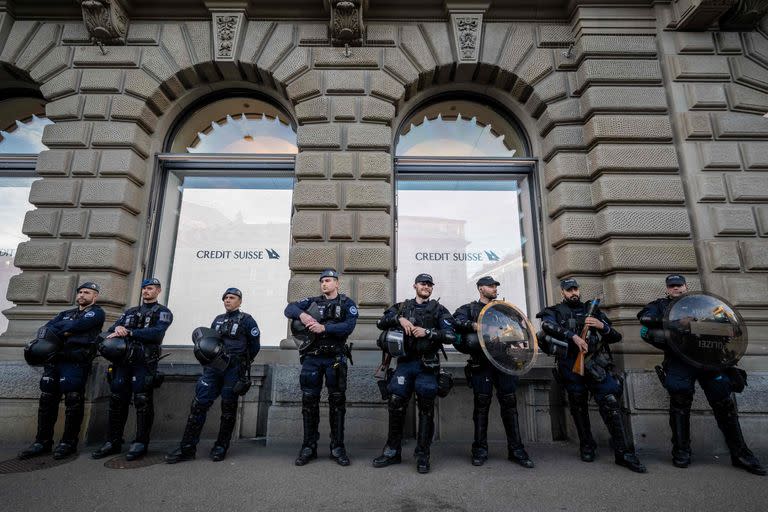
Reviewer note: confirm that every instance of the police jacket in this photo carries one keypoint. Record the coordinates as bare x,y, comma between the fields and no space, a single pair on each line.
652,317
147,323
80,328
338,315
563,321
463,319
430,315
240,333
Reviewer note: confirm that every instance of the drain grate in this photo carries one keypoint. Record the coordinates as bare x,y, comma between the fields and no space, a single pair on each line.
150,459
33,464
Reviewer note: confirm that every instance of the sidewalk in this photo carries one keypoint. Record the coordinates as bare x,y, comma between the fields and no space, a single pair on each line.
256,478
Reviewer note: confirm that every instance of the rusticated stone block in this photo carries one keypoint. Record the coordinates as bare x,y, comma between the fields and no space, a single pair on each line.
125,108
143,33
624,99
646,255
116,192
337,58
341,225
43,41
18,36
69,134
293,65
626,221
96,106
319,136
705,96
43,222
751,188
61,289
373,136
114,223
373,291
566,111
368,194
116,57
689,68
344,109
73,223
572,227
554,35
563,138
378,33
728,42
632,157
54,192
27,288
62,84
719,155
576,258
749,72
396,63
114,287
732,220
113,134
636,189
345,82
313,256
565,166
630,290
746,99
316,194
627,127
315,109
101,80
747,291
696,125
375,165
301,286
694,42
54,162
310,164
710,188
756,46
374,226
412,41
755,255
553,87
733,125
139,83
41,254
84,162
755,155
342,165
103,255
374,109
722,255
308,225
54,62
313,34
762,219
307,85
367,258
123,162
385,86
537,65
601,71
569,196
518,44
64,108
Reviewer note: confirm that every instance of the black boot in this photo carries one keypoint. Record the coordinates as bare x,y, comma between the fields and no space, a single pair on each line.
310,413
47,411
622,448
727,417
680,423
425,432
391,454
145,415
480,420
517,453
74,411
118,415
226,427
188,446
336,411
579,405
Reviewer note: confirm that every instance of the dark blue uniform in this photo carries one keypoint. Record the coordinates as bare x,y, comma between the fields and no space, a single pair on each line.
324,359
135,377
483,377
67,376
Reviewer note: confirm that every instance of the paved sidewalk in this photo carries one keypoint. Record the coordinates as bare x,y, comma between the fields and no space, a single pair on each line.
256,478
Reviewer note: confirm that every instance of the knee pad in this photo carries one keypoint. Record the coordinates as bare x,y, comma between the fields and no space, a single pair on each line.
73,399
508,401
609,402
682,401
229,408
49,398
142,401
310,399
426,405
337,399
482,401
199,408
397,403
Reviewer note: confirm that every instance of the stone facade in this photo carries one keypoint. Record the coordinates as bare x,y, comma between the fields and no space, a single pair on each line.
651,146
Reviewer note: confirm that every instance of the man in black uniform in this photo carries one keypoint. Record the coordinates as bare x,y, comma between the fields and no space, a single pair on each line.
680,382
241,337
67,374
426,325
484,377
565,322
324,356
143,328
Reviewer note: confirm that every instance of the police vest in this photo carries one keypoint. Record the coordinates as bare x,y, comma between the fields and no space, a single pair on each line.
232,332
135,318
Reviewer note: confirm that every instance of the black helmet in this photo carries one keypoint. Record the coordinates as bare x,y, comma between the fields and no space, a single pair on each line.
114,350
43,348
209,348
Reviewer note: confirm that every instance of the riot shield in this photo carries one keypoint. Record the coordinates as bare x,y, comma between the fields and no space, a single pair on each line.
507,338
705,331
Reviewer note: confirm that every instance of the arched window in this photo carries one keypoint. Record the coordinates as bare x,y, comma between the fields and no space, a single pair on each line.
225,216
465,203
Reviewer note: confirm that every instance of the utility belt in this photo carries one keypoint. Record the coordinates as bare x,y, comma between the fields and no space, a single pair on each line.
153,380
77,353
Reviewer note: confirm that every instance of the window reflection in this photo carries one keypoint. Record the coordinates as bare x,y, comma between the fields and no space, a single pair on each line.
243,134
24,137
453,137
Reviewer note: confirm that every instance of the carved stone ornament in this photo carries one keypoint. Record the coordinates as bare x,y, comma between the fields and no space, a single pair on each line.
226,34
105,21
346,26
745,15
467,31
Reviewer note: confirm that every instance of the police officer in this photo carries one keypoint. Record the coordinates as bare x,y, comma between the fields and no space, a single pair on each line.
679,382
143,327
484,377
324,356
426,325
565,322
241,337
67,374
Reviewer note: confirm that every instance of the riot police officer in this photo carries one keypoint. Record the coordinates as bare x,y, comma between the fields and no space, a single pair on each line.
426,325
324,355
143,328
680,380
66,373
565,322
241,338
484,377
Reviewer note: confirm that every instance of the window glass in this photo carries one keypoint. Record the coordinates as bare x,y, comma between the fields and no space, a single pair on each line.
24,136
229,231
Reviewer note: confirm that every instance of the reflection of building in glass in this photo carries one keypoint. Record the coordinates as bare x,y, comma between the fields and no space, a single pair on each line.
510,272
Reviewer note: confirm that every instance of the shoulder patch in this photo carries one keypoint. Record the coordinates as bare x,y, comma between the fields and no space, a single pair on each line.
353,310
447,322
255,331
165,316
90,314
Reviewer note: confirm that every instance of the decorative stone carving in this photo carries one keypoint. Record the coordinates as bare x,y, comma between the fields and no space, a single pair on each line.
745,15
227,27
346,25
467,30
105,21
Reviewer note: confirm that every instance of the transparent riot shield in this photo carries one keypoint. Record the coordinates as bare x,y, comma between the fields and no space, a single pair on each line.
705,331
507,337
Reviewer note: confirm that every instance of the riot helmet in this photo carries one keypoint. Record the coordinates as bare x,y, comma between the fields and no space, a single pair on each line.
209,348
